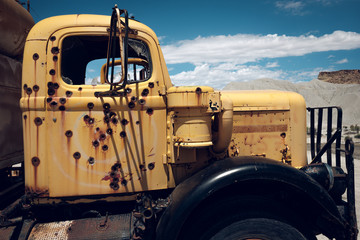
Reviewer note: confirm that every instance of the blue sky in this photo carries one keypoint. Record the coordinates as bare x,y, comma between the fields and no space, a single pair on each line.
216,42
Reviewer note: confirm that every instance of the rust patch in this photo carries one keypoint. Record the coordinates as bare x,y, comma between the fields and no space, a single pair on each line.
260,128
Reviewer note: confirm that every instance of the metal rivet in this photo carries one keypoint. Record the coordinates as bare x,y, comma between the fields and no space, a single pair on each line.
35,161
38,121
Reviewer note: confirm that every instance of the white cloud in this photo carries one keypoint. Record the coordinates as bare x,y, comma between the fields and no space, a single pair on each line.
342,61
272,64
294,7
218,76
243,48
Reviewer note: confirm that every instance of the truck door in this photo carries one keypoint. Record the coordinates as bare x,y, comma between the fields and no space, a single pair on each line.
109,144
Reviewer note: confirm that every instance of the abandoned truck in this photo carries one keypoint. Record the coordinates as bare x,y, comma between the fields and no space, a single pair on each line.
130,156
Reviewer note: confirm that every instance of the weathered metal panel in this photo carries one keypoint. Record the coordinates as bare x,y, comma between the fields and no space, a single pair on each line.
11,142
108,227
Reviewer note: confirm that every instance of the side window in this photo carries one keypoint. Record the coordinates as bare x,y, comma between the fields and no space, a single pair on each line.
82,58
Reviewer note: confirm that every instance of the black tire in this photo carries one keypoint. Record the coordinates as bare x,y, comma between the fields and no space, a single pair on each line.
244,217
259,228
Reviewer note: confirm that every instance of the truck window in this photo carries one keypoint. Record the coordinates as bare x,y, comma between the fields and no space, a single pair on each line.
83,56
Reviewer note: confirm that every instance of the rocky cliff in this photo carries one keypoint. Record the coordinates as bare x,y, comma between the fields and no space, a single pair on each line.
341,77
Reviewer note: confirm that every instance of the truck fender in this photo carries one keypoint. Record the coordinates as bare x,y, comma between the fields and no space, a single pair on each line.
189,194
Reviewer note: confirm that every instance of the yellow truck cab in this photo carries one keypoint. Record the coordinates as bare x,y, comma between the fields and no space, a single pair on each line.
130,155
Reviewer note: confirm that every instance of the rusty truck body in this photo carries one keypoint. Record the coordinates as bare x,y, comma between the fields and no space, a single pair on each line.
130,156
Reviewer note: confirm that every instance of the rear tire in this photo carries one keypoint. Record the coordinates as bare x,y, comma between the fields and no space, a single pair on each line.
259,228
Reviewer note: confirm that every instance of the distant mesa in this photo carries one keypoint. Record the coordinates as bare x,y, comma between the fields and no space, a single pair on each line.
341,77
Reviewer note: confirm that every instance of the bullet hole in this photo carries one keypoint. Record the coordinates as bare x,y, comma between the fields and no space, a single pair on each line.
48,100
52,72
198,90
50,85
142,167
90,105
28,91
68,93
56,85
133,98
150,111
80,89
117,166
112,114
97,129
131,105
128,90
105,148
68,133
145,92
36,56
106,106
114,186
115,180
283,135
77,155
86,118
36,88
54,120
62,100
91,120
151,85
102,136
151,166
55,58
25,117
106,119
113,174
51,92
35,161
124,122
62,108
137,122
25,87
55,50
95,143
52,38
38,121
123,134
91,160
114,120
109,131
124,182
142,101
